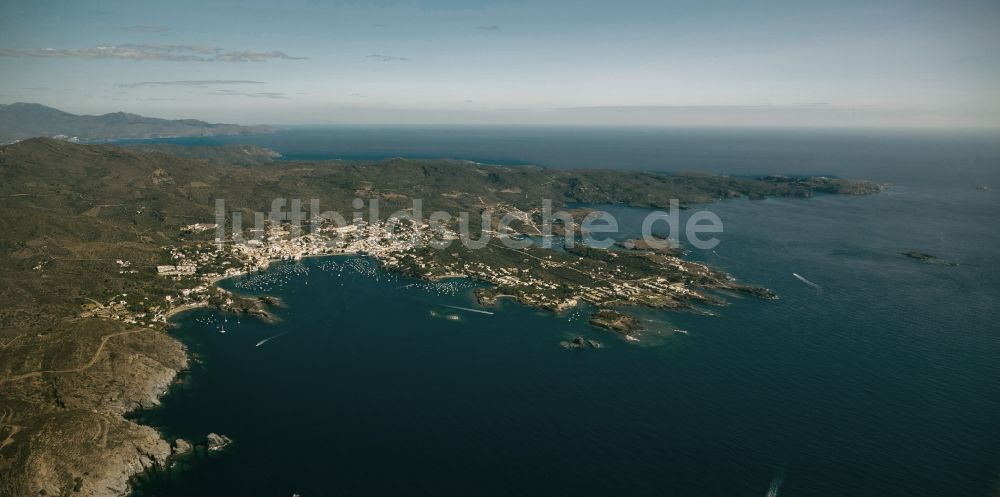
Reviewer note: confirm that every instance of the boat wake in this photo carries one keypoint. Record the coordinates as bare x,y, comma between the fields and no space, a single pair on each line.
480,311
818,288
262,342
776,482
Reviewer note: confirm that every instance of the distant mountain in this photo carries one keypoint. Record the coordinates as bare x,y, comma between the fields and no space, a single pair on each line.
24,120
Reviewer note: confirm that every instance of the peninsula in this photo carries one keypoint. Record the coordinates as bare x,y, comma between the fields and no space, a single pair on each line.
19,121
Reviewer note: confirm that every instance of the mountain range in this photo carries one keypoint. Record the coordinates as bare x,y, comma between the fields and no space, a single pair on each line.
20,120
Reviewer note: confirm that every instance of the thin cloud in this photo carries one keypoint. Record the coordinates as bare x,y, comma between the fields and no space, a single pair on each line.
664,107
263,94
146,29
168,53
190,82
387,58
489,27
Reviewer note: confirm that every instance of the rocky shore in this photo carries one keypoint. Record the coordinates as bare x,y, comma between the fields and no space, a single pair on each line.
89,413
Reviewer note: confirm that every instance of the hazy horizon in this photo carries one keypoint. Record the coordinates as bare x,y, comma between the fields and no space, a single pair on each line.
894,64
641,117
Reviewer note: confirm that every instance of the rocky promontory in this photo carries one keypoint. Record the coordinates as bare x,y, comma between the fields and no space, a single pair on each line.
615,321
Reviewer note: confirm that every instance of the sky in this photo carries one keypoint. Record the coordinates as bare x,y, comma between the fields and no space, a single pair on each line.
847,63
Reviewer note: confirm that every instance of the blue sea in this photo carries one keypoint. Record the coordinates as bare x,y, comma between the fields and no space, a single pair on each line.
882,380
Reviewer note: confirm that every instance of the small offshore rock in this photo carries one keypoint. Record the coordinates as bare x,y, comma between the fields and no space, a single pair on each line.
217,442
181,447
580,343
927,258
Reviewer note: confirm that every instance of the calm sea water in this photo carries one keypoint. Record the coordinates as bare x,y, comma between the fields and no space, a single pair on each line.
886,382
913,157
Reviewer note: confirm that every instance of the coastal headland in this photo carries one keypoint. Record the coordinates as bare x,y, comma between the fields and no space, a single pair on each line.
102,244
